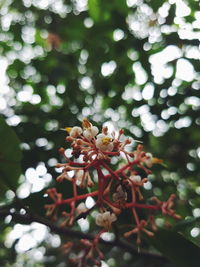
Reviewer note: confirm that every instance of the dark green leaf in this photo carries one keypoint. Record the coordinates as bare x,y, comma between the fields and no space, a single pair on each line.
180,226
10,158
179,250
156,4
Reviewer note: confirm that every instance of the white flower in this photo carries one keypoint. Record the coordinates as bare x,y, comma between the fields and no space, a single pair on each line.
75,131
104,142
81,208
149,160
91,132
105,219
136,178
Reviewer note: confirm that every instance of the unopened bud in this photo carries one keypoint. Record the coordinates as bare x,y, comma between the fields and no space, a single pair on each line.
61,150
69,139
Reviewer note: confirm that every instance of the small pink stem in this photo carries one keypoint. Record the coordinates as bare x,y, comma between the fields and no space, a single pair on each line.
101,183
128,165
78,197
72,163
74,189
113,174
133,208
98,236
72,204
91,164
142,206
111,153
116,173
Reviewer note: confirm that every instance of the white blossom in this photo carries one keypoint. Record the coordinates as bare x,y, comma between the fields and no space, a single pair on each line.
105,219
75,131
104,142
91,132
149,160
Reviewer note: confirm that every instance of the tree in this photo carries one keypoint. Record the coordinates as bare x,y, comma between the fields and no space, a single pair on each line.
123,64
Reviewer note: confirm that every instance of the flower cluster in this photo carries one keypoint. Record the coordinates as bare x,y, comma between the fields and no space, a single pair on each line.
117,189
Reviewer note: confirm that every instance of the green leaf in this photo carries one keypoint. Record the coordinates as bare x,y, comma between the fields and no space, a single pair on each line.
179,250
182,225
156,5
94,9
10,158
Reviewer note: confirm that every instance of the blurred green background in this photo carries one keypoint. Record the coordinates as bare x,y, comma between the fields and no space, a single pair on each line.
130,64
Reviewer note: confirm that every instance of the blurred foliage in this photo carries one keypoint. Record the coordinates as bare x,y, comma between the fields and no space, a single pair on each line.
116,62
10,159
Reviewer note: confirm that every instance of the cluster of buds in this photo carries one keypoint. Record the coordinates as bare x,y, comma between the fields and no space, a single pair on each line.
117,189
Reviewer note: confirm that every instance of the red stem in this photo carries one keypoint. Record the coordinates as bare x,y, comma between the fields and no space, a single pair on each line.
78,197
113,174
133,208
71,163
101,180
142,206
97,237
111,153
91,164
116,173
128,165
74,189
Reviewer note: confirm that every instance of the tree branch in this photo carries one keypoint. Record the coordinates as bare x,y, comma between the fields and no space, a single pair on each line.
28,218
